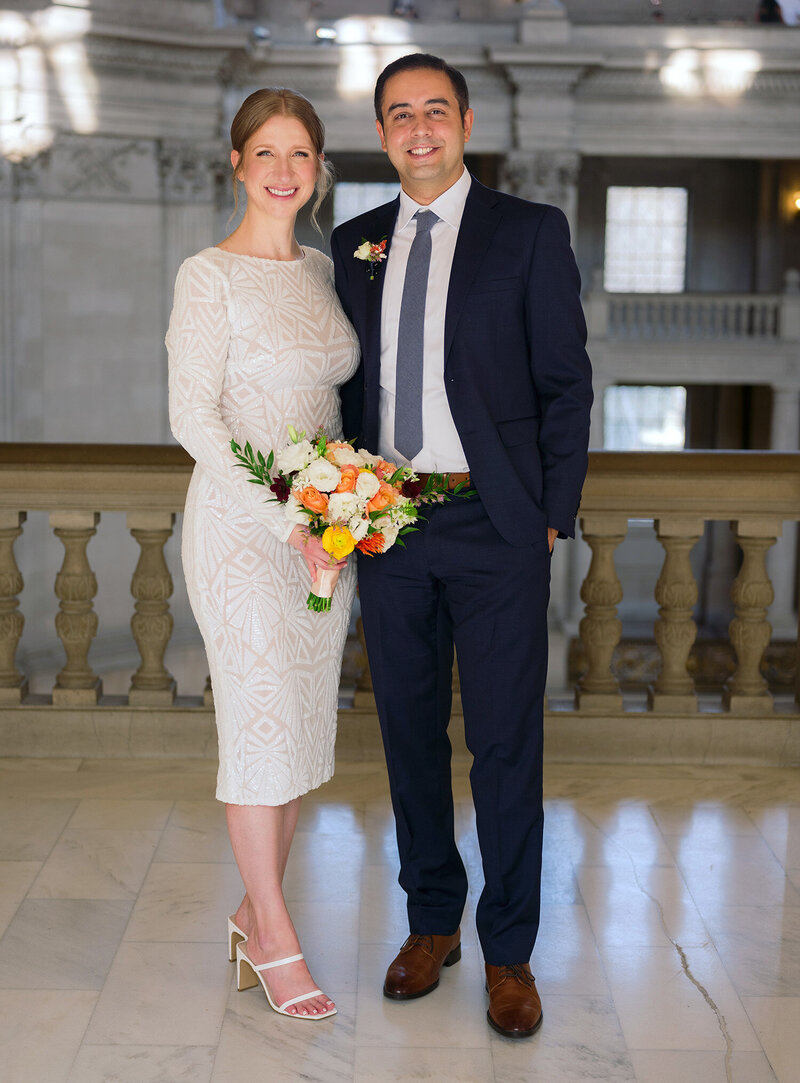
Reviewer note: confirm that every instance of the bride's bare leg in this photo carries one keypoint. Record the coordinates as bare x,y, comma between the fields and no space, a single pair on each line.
261,836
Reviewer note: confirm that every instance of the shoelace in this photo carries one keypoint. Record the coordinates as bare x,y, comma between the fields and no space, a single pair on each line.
422,940
517,970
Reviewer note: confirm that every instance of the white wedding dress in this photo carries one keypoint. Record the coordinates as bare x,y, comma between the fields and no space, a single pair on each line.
256,345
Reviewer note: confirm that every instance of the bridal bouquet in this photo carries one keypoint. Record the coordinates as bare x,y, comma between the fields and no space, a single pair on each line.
350,499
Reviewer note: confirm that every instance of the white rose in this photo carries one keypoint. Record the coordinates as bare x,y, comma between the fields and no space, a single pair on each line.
323,475
388,529
358,527
294,511
367,485
369,459
345,456
342,506
362,252
294,457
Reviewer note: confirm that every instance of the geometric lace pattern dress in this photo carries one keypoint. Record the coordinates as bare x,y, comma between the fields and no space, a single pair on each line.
256,345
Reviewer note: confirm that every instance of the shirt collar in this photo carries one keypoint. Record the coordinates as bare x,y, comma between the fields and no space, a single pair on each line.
449,206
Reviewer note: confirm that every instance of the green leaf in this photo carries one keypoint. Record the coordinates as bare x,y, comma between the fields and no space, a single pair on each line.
270,460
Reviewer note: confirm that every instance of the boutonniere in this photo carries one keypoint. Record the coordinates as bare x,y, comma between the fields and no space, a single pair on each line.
372,254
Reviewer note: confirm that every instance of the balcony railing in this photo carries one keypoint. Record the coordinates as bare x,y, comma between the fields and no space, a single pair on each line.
695,317
76,484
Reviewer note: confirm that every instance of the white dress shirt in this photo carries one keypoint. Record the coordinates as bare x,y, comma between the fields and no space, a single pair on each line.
441,447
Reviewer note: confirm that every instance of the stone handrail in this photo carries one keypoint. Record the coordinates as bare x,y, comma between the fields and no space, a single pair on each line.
696,317
755,491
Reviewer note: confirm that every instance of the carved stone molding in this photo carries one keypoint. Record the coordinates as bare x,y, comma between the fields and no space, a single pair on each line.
13,685
675,631
89,168
750,631
543,177
191,173
76,621
152,685
600,629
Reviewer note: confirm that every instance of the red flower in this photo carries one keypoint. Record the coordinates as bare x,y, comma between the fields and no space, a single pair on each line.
371,545
281,488
411,489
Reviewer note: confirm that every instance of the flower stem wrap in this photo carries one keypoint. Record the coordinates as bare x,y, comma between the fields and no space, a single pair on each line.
319,600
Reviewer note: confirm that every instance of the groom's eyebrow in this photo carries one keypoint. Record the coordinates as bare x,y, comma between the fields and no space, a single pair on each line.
407,105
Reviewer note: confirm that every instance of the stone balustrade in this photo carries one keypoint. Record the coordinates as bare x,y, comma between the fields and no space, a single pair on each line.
696,317
756,492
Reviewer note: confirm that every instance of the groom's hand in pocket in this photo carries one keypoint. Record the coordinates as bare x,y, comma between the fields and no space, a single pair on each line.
552,534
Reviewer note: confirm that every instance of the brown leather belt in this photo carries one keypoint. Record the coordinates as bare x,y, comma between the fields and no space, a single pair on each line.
452,479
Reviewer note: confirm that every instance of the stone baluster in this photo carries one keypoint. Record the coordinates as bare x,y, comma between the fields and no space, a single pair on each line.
151,586
208,694
675,631
76,621
746,692
364,695
13,686
600,630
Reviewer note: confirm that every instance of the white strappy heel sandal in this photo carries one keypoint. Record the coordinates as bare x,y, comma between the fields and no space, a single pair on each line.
248,975
235,936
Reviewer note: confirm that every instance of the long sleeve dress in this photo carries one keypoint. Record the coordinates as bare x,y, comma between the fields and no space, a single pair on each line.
256,345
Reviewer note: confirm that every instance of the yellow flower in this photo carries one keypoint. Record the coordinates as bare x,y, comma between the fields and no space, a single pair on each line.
338,541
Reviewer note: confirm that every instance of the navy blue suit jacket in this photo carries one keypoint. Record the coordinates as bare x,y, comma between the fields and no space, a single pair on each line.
517,376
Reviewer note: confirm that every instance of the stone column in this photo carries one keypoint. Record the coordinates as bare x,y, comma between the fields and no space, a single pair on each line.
675,631
746,692
7,321
76,622
544,176
151,685
782,561
600,630
13,686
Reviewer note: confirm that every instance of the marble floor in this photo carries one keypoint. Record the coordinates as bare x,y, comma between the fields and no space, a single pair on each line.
669,950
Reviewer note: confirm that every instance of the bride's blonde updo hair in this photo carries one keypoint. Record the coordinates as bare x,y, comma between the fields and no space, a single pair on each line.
270,102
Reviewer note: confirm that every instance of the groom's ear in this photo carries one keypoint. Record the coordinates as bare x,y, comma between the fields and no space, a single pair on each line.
381,136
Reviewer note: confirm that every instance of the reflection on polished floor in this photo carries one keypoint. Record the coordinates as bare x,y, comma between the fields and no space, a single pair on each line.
669,949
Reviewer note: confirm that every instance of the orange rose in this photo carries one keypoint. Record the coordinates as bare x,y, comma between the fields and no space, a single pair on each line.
314,500
384,469
385,496
349,479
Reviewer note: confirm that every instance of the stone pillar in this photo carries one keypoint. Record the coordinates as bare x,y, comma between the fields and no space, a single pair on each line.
600,630
544,176
13,686
7,321
782,561
151,586
76,622
675,631
746,692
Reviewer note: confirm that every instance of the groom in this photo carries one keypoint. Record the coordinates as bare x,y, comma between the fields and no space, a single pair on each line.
473,364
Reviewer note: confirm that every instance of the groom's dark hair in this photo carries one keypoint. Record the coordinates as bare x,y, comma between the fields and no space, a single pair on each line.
416,62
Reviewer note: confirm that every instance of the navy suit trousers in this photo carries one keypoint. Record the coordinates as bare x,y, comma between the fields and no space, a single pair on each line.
459,582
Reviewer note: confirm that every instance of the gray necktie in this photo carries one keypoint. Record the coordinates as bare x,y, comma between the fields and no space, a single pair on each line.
410,341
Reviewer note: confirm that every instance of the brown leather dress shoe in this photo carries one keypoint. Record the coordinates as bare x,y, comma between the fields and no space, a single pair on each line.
515,1009
415,970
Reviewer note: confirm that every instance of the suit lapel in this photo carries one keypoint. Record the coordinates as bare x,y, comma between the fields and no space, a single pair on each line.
373,290
478,224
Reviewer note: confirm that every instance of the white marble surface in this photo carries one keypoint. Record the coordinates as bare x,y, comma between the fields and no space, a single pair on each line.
669,948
